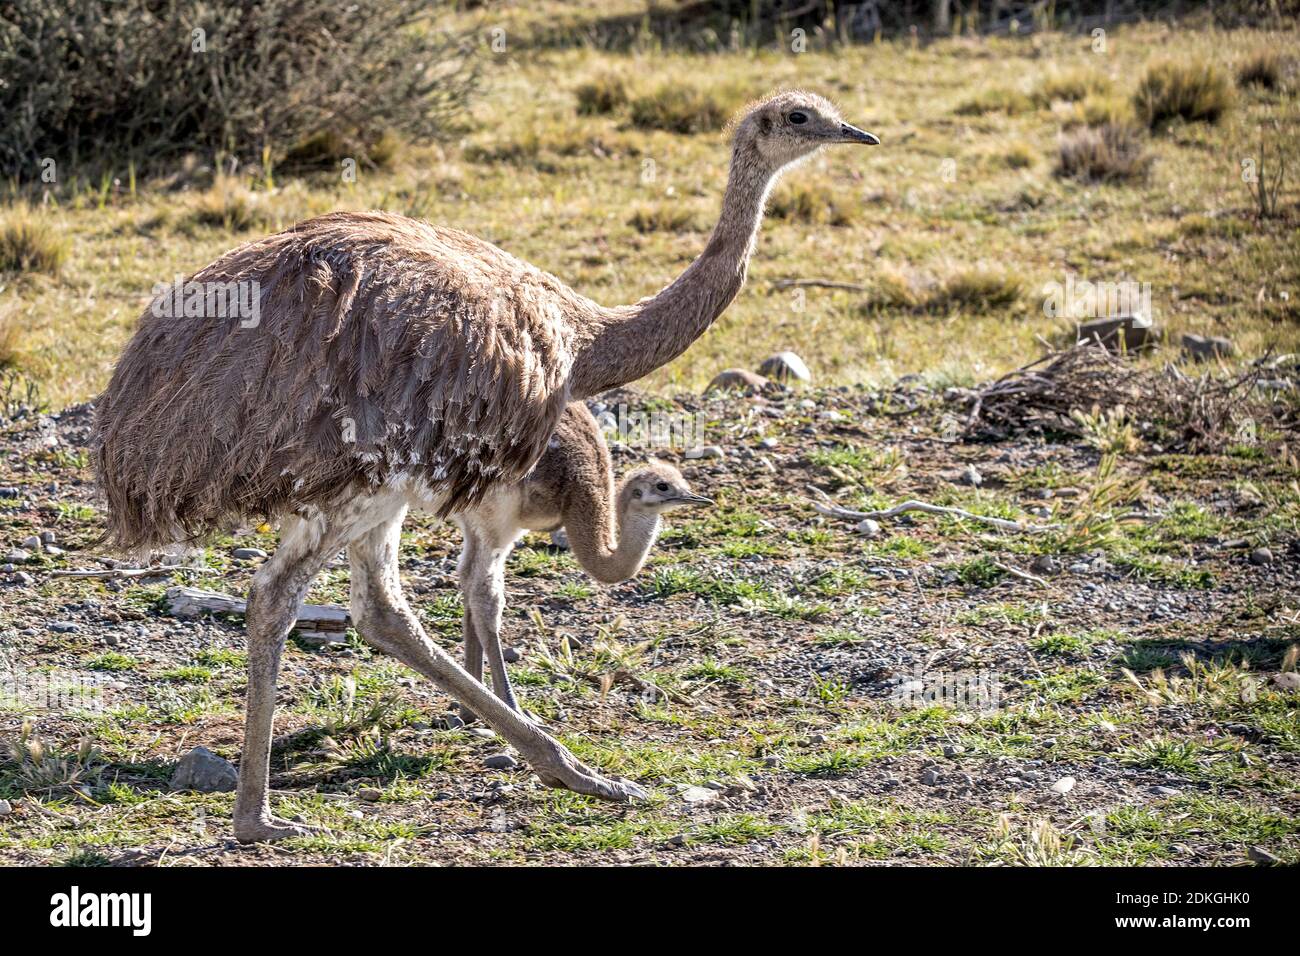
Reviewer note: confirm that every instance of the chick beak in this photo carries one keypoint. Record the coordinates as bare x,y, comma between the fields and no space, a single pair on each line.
851,134
690,498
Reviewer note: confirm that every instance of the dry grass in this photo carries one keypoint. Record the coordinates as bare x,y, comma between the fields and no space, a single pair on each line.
995,100
607,93
1072,86
1265,68
1197,92
683,109
973,290
29,242
661,218
816,203
1114,152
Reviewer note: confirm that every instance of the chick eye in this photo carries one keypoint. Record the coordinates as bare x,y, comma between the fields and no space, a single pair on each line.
662,486
798,119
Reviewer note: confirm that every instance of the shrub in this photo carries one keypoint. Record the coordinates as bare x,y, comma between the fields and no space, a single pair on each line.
645,219
28,243
976,289
1112,152
995,100
1072,86
1266,68
681,109
815,203
88,78
1195,92
1019,155
605,94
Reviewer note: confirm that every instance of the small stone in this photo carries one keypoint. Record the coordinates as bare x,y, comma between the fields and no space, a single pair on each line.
500,762
818,739
953,750
560,539
53,550
772,761
737,380
203,771
1044,564
31,543
248,554
452,722
6,808
1167,791
868,528
64,627
706,451
1261,556
1202,348
973,476
1287,681
784,366
1063,786
511,655
677,840
483,733
769,443
47,537
370,794
698,794
931,777
1257,854
16,556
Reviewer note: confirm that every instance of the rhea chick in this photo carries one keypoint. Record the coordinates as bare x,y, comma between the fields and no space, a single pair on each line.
610,529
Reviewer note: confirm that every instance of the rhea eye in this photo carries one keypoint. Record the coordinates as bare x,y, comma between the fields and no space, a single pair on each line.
662,486
798,118
636,492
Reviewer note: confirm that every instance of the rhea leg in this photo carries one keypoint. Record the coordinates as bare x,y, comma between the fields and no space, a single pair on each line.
386,621
473,649
489,600
277,590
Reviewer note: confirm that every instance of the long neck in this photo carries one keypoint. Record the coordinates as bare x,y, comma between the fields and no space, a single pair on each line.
610,540
631,341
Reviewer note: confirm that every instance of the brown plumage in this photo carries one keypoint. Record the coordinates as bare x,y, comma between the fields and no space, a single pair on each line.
391,346
392,364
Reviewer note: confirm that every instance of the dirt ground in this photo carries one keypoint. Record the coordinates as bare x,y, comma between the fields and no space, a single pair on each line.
769,677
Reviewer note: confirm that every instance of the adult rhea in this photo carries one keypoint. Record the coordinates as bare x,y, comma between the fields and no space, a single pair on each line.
393,364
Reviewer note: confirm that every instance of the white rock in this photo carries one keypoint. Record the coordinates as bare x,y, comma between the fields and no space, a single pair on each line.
868,527
706,451
698,794
784,366
1063,786
560,539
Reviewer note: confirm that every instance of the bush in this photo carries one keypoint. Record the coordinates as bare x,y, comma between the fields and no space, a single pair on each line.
816,203
90,80
602,95
28,243
1071,86
1264,68
647,219
1195,92
995,100
681,109
1109,153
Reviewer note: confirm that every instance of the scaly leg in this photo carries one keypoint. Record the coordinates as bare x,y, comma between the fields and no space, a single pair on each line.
277,590
469,635
385,620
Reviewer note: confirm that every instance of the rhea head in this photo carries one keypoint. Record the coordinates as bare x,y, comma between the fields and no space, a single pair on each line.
787,126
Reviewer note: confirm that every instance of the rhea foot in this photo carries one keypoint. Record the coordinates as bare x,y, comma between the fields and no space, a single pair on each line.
563,771
267,828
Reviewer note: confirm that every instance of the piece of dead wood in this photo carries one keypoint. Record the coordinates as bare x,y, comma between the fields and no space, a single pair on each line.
1023,575
820,284
312,618
832,510
108,573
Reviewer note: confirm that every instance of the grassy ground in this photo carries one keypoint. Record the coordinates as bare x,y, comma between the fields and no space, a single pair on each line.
953,196
1147,709
1149,675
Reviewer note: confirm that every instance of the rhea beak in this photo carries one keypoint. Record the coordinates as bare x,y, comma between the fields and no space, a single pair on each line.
851,134
690,498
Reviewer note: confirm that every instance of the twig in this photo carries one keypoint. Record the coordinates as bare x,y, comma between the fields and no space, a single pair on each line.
1023,575
819,284
848,514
